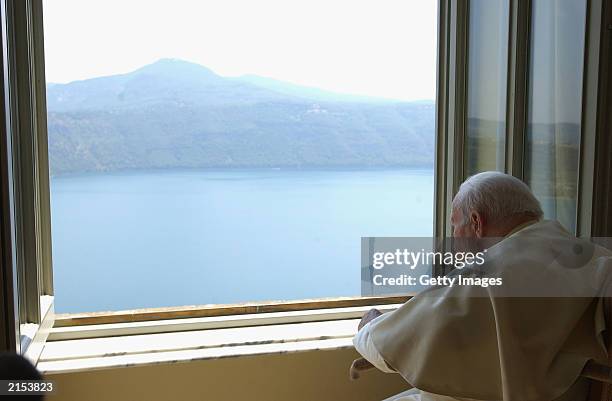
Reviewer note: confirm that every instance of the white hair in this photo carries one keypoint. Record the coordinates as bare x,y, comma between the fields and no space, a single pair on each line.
496,196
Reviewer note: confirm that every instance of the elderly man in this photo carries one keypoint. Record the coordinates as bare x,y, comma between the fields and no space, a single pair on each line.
526,340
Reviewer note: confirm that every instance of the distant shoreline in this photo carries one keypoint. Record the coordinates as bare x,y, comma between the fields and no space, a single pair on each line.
240,169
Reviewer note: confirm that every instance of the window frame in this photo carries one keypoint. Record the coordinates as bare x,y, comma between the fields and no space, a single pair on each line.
23,41
593,196
601,223
9,335
26,235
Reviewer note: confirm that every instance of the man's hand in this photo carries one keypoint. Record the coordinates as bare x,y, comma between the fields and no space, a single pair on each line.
371,315
358,366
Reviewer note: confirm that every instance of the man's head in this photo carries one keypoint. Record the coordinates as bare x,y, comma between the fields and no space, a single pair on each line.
491,204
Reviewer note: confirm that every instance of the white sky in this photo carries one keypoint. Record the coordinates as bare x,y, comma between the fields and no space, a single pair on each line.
372,47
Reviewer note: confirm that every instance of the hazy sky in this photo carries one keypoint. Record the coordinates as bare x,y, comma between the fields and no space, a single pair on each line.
372,47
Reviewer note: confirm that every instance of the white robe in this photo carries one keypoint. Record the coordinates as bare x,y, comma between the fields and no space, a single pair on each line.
526,240
364,345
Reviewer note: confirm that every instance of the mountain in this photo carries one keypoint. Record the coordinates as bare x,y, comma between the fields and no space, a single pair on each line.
176,114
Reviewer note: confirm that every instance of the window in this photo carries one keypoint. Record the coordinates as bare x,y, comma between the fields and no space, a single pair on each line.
521,100
234,157
486,92
555,106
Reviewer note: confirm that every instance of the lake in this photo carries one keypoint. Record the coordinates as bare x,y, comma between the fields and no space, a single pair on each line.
169,238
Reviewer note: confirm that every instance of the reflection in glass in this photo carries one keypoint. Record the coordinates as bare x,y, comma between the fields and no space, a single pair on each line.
554,111
486,92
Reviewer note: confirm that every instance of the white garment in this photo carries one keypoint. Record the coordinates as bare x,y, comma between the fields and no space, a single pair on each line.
579,278
364,345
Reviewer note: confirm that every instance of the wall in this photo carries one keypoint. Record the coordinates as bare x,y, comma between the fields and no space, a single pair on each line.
304,376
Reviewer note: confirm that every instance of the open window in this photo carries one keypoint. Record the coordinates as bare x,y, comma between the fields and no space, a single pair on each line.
268,181
234,158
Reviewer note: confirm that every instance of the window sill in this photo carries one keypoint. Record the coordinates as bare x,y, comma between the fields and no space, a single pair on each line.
208,323
282,334
198,311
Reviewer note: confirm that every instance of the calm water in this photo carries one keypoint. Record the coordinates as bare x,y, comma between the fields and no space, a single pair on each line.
149,239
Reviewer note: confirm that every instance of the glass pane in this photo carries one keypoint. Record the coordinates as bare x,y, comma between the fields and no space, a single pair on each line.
238,154
486,91
555,103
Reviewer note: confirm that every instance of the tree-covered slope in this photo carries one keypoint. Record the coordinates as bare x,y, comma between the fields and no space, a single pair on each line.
175,114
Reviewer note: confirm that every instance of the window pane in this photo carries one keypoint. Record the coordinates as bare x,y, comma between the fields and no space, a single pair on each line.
486,92
555,102
239,153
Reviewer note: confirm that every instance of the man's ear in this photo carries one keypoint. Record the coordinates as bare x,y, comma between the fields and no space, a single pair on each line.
477,221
